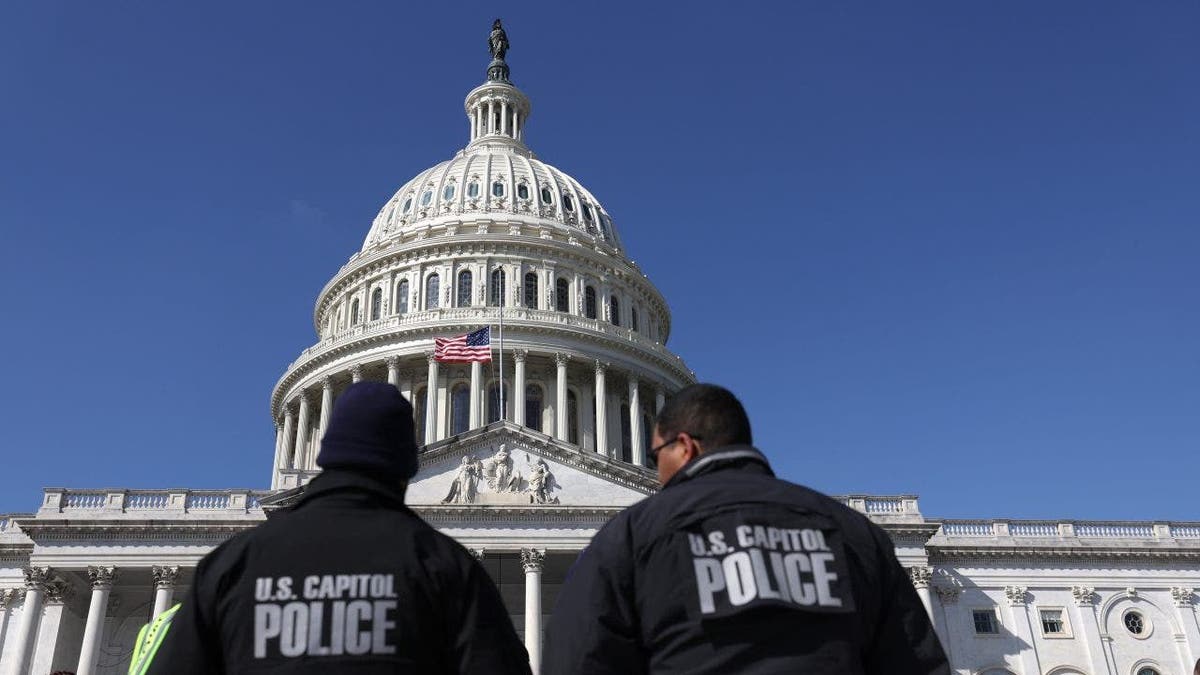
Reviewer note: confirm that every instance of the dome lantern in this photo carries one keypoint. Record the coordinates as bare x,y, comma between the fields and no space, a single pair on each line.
497,110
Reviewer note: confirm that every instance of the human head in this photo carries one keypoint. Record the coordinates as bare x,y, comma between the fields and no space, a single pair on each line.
699,417
371,429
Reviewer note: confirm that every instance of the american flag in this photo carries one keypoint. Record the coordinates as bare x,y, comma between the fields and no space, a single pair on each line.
470,348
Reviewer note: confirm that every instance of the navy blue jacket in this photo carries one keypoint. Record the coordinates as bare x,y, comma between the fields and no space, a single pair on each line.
349,580
731,570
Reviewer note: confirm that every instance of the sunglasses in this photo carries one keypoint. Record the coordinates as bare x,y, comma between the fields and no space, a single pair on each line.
652,455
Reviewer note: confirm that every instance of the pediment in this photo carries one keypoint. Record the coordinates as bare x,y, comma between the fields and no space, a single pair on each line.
507,465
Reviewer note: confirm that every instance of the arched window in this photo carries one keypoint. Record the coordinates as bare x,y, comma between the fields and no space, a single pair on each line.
614,309
433,289
494,402
464,288
626,435
572,417
568,203
497,189
448,192
376,303
496,293
589,302
407,205
633,319
473,189
533,407
523,191
1147,671
426,197
547,196
531,290
460,408
562,295
402,297
605,223
587,211
354,312
419,414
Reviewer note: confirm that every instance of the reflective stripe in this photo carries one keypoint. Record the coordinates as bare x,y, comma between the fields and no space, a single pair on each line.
150,638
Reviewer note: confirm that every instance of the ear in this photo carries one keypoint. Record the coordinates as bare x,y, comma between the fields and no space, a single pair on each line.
691,447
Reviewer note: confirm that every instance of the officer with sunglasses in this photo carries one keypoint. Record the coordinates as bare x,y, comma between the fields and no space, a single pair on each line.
731,570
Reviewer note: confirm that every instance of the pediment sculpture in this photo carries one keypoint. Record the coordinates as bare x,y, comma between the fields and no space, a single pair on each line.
497,480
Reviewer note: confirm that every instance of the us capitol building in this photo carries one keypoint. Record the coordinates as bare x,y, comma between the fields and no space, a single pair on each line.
523,466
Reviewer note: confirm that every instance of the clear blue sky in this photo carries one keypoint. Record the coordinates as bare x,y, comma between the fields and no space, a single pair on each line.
946,248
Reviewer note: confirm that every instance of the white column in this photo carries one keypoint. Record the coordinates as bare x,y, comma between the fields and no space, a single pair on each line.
36,579
504,117
920,577
164,587
356,373
1021,627
1089,628
601,410
93,632
278,462
474,116
393,366
560,393
326,410
431,397
1189,647
660,400
302,433
476,395
8,596
635,423
518,393
531,560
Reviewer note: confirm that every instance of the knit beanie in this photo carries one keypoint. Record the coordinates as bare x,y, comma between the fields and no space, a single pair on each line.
371,429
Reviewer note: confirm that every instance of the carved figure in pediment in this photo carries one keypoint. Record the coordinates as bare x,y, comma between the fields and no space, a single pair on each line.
541,484
466,482
501,473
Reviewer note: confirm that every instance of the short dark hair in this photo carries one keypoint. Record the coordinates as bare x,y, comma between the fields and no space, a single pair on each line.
708,412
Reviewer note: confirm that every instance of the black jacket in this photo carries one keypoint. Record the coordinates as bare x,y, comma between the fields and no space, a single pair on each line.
349,580
731,570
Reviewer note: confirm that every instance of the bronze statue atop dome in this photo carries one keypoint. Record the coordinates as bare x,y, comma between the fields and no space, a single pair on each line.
498,46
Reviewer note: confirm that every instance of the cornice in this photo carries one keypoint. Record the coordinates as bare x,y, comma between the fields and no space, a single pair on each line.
62,529
947,554
516,515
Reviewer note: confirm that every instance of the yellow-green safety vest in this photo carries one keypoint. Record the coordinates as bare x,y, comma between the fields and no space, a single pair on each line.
149,639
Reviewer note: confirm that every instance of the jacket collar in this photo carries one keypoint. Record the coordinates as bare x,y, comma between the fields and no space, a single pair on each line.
725,458
342,480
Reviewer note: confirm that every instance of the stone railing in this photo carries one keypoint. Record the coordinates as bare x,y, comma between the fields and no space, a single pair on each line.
882,505
8,522
116,501
1078,529
517,316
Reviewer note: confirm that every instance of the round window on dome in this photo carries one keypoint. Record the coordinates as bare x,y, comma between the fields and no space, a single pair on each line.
547,196
497,189
523,191
568,203
448,192
407,205
473,189
426,197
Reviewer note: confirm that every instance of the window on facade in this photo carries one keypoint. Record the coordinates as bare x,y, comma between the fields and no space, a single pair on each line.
496,292
547,196
354,312
376,303
407,205
531,290
626,435
433,288
464,288
1135,623
614,308
985,622
568,203
460,408
419,414
1147,671
402,297
604,225
391,212
633,319
1052,622
494,403
523,191
562,295
572,417
533,407
587,212
473,189
448,192
589,302
497,189
426,197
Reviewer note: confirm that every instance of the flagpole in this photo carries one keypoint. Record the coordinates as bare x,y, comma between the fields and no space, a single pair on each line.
501,384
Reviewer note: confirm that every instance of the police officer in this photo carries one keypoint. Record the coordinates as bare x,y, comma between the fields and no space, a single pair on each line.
349,580
731,570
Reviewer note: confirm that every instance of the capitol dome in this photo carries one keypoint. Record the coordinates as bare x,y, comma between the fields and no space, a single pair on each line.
490,237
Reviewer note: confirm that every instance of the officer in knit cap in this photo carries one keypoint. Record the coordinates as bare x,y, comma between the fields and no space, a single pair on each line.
348,579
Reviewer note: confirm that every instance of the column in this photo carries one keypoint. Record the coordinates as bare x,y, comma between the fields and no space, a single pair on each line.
635,423
531,560
302,433
164,587
93,632
1189,648
920,577
474,118
356,373
1089,629
275,467
560,393
431,400
289,432
660,400
476,395
326,408
393,366
504,117
36,580
601,410
1017,596
519,386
